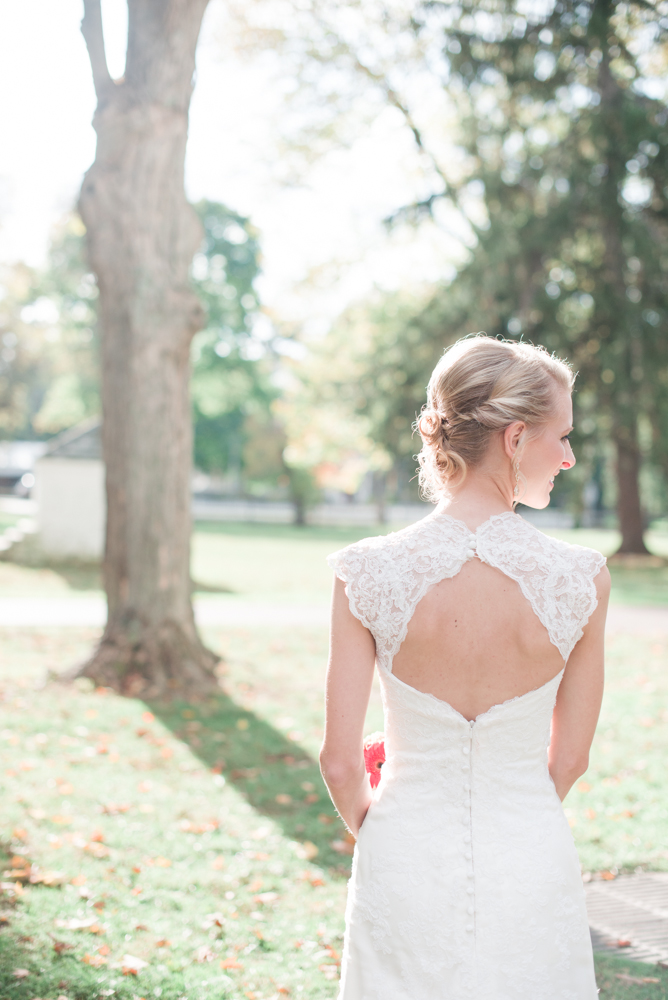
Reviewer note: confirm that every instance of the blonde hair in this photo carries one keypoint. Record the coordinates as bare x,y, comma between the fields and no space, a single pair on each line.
481,385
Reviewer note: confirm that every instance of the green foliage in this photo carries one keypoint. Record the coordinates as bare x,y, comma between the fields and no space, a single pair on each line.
562,181
567,158
49,360
232,362
49,377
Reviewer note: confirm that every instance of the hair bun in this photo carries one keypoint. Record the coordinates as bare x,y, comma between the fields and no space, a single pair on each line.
481,385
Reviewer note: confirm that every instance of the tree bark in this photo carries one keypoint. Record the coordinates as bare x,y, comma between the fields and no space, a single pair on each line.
623,405
629,508
141,238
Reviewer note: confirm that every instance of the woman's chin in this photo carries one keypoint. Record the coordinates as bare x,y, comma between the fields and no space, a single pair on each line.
537,502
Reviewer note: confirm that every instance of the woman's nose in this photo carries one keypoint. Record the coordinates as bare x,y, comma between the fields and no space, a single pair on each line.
569,458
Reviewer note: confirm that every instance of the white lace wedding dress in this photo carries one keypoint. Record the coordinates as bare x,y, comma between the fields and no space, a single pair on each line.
466,883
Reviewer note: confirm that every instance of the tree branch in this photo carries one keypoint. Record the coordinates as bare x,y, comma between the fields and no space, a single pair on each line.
396,102
91,29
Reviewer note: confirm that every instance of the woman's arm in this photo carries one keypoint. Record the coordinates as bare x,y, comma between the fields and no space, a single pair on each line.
579,698
352,655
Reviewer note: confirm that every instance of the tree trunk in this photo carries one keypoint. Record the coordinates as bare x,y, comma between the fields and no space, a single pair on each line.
629,509
141,237
622,404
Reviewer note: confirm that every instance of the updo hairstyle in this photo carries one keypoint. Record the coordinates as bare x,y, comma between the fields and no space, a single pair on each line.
480,386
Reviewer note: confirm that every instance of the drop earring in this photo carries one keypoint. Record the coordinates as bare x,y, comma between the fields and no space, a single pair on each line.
516,490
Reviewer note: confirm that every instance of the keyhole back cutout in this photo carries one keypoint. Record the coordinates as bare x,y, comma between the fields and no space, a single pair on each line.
474,641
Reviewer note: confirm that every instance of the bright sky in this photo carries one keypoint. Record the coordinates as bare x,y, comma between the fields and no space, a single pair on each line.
330,224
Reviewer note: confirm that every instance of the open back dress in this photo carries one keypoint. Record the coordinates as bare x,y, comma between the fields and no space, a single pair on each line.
466,884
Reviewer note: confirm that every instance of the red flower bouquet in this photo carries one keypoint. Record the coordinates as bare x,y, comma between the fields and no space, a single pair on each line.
374,756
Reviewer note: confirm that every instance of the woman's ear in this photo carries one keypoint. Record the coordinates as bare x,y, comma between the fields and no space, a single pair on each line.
512,438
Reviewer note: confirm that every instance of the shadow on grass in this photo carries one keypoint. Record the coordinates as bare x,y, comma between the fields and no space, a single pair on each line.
276,776
621,979
50,974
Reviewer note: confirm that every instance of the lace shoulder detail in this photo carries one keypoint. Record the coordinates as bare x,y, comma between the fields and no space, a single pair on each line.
386,576
555,577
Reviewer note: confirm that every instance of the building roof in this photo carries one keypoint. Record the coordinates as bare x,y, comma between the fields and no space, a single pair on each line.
83,441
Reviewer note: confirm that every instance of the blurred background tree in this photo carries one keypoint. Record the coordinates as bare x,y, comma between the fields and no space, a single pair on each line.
50,378
558,186
542,135
567,153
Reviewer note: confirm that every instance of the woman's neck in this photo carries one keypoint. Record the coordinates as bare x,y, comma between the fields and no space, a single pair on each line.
480,496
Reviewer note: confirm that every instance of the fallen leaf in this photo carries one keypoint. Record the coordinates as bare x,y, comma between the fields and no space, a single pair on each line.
329,971
342,847
163,943
307,851
97,961
148,718
104,950
76,924
162,862
608,876
13,888
97,835
65,788
114,808
311,798
97,849
131,965
623,943
590,813
230,963
60,946
218,862
21,973
583,786
265,897
141,927
189,827
204,954
283,799
636,980
78,880
47,878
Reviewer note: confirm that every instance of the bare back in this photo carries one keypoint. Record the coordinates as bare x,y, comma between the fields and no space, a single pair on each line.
475,641
474,618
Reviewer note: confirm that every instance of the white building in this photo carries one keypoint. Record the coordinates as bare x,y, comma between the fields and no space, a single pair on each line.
70,494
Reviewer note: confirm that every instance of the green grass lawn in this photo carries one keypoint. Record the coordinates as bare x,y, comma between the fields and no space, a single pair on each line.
286,564
199,839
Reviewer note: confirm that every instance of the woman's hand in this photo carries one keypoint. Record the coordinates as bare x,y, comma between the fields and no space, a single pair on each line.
352,655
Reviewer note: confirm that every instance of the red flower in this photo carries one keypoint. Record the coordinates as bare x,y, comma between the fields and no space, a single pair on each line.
374,756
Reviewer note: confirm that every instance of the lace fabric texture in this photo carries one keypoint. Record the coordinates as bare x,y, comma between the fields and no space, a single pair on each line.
466,883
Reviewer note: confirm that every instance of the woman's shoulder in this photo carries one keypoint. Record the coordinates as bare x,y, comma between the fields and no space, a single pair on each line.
379,549
557,554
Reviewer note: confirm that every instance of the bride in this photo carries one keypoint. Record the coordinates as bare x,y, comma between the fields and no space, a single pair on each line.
488,638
